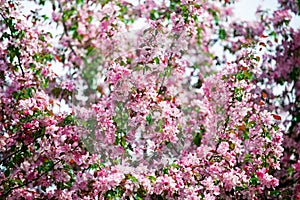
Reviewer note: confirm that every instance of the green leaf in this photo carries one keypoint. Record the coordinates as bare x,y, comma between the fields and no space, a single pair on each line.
274,193
93,166
68,13
42,2
7,172
276,127
42,38
295,74
90,19
134,179
79,1
70,119
154,14
168,71
114,194
185,14
149,119
152,179
37,146
239,76
215,15
197,138
27,93
56,92
227,119
241,188
174,165
16,95
5,35
238,93
45,83
23,94
247,75
123,142
222,34
273,34
48,165
246,134
268,135
160,125
173,4
166,170
251,124
45,17
22,34
138,197
290,171
254,181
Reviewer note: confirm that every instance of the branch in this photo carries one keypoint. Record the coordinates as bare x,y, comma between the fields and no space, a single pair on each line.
66,30
10,28
28,182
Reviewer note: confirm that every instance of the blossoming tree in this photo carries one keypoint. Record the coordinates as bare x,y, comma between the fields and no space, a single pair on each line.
152,113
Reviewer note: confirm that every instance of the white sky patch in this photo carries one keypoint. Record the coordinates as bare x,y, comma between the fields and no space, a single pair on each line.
245,9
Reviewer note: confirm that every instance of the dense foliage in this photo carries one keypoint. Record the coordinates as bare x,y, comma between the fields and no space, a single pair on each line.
94,109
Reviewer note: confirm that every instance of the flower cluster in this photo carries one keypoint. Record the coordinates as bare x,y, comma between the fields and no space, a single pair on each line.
144,114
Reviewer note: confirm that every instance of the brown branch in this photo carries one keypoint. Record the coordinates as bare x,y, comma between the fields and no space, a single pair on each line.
28,182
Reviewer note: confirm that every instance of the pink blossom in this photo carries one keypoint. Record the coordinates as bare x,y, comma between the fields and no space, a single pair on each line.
280,16
223,148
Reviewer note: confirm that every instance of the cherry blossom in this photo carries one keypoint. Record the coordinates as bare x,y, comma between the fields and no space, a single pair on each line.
152,113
